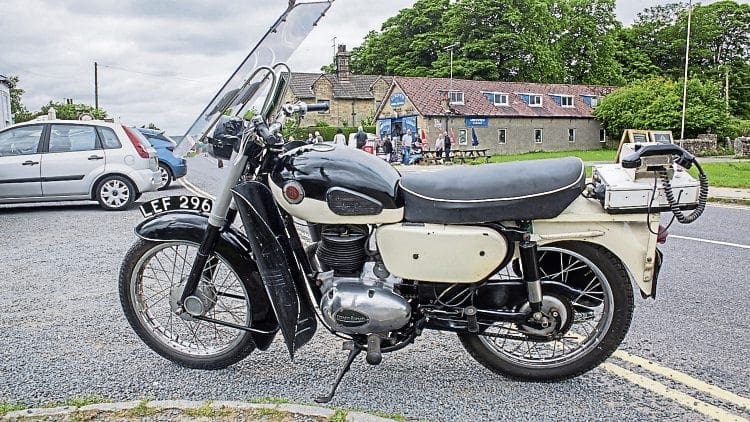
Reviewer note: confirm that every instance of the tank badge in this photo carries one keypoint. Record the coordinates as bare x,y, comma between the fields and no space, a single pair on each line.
293,192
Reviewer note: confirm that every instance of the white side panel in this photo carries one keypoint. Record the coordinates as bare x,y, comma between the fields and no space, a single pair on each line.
316,211
625,235
440,253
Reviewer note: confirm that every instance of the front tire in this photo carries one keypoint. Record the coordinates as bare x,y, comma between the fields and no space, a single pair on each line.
150,279
601,318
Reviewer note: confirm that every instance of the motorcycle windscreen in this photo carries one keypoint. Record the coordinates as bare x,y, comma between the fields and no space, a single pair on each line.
240,94
282,278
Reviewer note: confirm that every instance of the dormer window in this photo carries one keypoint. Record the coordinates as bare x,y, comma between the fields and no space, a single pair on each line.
590,100
456,97
497,98
533,100
566,100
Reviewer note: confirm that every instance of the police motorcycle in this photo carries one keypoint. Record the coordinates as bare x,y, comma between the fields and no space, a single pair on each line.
530,265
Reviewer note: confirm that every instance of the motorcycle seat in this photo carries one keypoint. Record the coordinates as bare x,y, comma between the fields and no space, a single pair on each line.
520,190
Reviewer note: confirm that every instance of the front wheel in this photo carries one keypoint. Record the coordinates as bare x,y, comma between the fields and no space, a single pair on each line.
597,319
115,193
151,280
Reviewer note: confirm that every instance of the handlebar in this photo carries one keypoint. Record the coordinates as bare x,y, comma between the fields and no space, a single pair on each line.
268,132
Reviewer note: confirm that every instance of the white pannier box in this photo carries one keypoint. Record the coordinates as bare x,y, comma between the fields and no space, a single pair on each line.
632,191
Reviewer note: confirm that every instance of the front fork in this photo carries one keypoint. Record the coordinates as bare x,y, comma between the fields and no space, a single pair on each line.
223,213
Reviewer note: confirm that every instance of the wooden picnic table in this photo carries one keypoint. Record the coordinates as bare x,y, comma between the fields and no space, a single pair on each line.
460,155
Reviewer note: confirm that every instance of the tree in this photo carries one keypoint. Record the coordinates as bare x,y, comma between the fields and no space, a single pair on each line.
17,109
656,104
71,111
588,42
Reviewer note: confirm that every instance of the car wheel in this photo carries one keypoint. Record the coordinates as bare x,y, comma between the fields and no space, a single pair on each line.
115,193
166,176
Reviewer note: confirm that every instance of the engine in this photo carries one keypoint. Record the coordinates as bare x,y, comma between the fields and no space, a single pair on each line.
358,296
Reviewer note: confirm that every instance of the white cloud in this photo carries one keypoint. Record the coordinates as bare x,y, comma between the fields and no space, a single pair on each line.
162,61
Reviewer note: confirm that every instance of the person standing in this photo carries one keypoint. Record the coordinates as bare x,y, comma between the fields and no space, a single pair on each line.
388,149
318,138
339,138
439,146
361,138
406,141
310,138
447,147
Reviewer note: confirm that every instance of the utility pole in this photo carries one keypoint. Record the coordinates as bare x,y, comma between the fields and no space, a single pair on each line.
96,85
684,85
451,47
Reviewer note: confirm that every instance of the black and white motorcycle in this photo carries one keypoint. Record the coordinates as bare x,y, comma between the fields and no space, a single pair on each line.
528,264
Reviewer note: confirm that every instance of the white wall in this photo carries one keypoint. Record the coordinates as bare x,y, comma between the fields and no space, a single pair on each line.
5,117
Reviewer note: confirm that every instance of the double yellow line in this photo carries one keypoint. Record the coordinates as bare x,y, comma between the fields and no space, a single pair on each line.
650,384
684,399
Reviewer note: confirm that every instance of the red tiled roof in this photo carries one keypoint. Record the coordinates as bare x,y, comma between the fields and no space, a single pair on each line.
426,95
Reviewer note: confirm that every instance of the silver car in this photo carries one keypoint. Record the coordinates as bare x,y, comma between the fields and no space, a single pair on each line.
56,160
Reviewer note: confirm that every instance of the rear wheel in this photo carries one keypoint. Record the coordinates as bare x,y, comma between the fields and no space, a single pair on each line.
595,322
151,280
166,176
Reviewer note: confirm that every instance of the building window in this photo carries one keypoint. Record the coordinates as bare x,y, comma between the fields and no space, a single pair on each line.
533,100
456,97
537,136
329,106
571,135
602,135
501,136
497,98
590,100
566,101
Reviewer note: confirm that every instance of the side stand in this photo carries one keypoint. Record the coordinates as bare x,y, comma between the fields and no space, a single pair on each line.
352,354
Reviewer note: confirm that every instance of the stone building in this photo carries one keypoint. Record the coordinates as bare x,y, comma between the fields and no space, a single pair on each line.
6,119
507,117
352,98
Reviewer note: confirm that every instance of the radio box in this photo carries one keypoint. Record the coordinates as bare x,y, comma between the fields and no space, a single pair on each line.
628,191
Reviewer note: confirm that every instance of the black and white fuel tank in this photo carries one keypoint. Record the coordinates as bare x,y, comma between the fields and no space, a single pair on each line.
334,184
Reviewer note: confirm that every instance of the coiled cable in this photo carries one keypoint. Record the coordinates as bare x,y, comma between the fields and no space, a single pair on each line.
674,204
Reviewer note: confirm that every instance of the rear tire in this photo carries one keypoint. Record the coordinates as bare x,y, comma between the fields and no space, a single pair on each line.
166,176
149,279
601,276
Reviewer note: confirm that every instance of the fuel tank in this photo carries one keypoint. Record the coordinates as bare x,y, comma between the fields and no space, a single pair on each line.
335,184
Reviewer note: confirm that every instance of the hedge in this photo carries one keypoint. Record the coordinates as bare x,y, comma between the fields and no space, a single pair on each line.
328,131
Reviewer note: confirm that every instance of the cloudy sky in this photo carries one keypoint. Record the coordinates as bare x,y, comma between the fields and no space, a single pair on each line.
161,61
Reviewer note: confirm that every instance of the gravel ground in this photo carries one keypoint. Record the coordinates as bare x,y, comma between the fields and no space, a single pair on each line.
64,335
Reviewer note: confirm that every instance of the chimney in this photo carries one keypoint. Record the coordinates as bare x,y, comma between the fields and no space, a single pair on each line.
342,63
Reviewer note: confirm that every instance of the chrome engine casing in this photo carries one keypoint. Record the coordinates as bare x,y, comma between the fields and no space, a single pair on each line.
362,305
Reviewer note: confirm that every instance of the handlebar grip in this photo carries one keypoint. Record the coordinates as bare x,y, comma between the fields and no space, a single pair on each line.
318,107
265,133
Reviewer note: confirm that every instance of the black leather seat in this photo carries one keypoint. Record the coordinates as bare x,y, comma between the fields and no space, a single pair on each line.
521,190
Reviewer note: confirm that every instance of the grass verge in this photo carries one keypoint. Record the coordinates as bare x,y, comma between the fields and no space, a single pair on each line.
10,407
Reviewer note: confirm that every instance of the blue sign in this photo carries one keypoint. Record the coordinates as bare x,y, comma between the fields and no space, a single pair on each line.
477,122
398,99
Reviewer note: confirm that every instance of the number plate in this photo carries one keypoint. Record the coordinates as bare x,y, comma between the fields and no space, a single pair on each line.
177,202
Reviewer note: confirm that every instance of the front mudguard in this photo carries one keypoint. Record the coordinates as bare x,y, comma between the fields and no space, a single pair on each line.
233,246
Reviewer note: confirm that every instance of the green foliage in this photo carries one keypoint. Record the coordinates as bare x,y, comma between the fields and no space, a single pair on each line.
738,127
322,123
10,407
300,133
338,416
656,104
207,411
71,111
81,401
17,109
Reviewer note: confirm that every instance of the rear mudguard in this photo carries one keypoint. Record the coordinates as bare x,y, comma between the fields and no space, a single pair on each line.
284,281
190,226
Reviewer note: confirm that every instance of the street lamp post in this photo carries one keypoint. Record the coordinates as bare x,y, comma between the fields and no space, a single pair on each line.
684,84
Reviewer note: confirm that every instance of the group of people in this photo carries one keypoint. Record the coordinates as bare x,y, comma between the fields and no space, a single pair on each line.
339,138
412,148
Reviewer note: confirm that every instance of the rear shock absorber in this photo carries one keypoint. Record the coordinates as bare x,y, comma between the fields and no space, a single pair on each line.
530,267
